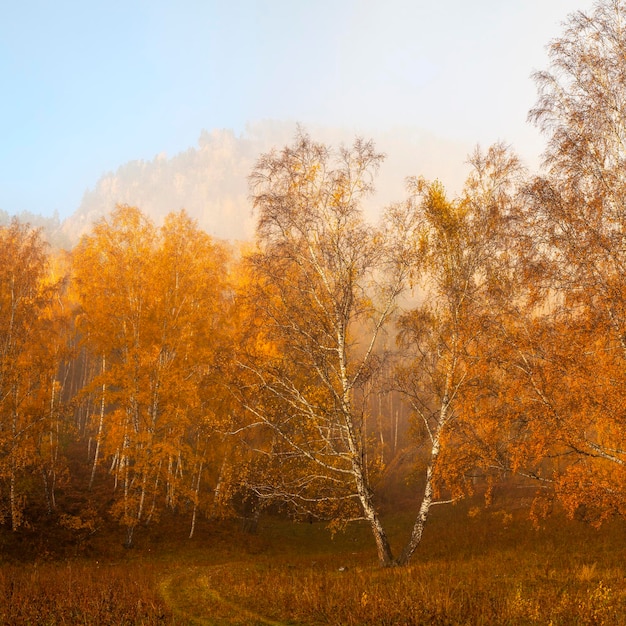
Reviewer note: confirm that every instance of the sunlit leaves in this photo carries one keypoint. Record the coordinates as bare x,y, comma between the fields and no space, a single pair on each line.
464,276
30,354
152,307
575,362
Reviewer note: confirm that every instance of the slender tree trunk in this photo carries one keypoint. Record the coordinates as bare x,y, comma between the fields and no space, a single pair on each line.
195,500
395,432
46,490
169,492
130,521
130,531
53,484
15,513
427,500
13,496
114,469
142,498
383,548
96,455
49,477
218,488
156,488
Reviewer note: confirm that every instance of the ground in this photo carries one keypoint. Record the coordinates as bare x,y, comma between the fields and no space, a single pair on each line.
475,566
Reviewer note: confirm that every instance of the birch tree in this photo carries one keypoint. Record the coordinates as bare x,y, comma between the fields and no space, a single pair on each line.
152,302
576,225
324,285
446,340
30,353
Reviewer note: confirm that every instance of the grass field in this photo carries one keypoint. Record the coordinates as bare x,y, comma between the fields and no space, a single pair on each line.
490,567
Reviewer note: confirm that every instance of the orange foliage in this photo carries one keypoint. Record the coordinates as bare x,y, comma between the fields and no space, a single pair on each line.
152,308
31,349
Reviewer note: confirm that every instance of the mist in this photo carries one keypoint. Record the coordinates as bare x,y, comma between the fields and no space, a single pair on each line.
209,180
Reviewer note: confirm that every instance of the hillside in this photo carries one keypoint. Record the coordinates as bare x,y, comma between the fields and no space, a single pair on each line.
210,180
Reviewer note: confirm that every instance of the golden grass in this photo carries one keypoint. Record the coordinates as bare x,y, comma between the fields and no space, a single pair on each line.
470,569
81,593
434,593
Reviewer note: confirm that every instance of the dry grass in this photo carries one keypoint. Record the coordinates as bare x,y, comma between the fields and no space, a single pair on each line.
439,593
81,593
470,569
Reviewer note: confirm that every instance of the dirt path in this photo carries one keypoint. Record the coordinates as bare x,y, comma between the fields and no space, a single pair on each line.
193,600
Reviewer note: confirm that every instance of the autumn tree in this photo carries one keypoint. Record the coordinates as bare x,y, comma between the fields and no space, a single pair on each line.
30,357
325,284
448,338
576,228
576,213
194,313
151,305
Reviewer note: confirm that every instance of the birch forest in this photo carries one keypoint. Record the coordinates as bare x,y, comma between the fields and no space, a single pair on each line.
336,368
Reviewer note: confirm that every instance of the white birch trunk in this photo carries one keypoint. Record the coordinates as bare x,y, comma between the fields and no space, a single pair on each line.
96,455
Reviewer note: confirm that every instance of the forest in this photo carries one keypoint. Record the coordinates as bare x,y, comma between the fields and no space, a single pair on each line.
335,372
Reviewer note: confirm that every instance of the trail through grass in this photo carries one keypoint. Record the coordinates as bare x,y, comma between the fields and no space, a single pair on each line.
192,598
469,572
489,568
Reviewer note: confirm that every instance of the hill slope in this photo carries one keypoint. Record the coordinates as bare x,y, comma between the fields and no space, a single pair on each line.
210,180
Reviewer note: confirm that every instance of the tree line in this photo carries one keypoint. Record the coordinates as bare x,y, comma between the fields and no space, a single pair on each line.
183,374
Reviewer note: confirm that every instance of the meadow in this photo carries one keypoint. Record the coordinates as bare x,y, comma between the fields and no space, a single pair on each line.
475,566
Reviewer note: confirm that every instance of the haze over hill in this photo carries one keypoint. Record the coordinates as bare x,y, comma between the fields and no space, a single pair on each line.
85,119
209,180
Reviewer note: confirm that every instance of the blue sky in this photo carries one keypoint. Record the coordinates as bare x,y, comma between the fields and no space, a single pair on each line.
88,86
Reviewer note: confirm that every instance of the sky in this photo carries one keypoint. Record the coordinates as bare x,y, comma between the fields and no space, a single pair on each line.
88,86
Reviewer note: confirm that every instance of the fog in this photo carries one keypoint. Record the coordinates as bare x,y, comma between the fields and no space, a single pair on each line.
209,180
